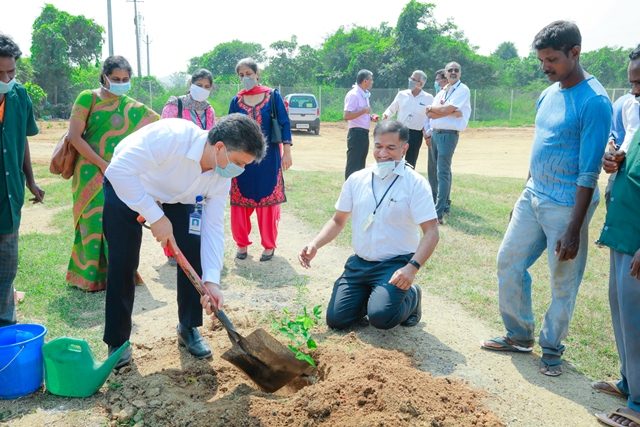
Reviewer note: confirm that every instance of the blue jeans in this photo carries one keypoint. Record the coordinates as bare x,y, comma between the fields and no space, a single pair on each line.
537,225
443,145
364,289
624,300
8,271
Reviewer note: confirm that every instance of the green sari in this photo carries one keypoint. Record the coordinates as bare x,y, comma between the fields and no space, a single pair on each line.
110,121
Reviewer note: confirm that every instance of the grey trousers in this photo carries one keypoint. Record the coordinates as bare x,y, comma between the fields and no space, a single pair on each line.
364,290
624,300
443,145
8,270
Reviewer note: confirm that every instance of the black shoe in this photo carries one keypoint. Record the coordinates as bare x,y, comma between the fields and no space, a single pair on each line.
192,340
125,357
267,257
416,315
242,255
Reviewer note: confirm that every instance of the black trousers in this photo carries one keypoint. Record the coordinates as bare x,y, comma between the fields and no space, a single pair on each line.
415,142
357,149
124,237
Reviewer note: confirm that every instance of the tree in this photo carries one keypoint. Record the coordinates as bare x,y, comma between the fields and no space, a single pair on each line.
61,41
37,95
282,67
608,64
222,60
24,70
506,51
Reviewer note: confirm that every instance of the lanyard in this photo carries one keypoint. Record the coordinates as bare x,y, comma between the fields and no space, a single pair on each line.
378,203
448,95
201,120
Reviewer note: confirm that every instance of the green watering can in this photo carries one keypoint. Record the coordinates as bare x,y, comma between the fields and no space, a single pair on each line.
71,370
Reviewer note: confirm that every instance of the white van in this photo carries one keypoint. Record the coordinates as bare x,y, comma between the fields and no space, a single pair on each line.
304,112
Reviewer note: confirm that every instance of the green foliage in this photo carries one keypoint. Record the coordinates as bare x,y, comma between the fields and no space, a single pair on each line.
609,65
61,41
24,70
297,329
149,91
37,95
221,61
506,51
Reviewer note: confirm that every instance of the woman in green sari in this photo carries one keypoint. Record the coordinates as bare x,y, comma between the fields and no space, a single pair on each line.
100,119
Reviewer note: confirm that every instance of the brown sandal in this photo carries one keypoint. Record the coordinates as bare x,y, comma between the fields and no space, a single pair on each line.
609,387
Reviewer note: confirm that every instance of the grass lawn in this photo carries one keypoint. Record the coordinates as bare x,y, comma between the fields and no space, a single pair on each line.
463,267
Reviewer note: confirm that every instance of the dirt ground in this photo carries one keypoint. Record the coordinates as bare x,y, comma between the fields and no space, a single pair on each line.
431,375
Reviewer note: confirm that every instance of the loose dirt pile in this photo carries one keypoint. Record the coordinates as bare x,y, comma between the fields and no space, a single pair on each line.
356,385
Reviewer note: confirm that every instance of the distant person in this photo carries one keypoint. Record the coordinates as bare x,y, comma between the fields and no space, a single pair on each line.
195,107
16,124
410,105
621,233
100,119
573,120
449,114
357,113
390,204
261,187
168,172
440,81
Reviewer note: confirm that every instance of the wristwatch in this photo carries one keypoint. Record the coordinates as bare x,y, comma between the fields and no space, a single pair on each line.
415,263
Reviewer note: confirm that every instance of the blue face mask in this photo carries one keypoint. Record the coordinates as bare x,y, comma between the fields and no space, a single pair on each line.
231,170
249,82
118,89
384,169
436,87
6,87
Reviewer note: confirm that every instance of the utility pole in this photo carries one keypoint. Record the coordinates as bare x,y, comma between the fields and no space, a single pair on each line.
109,28
148,61
136,21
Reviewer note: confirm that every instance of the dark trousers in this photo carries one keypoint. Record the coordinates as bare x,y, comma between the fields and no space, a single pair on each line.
357,149
364,289
124,237
415,142
8,271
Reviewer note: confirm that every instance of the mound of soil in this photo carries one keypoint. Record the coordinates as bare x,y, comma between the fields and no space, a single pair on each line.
356,385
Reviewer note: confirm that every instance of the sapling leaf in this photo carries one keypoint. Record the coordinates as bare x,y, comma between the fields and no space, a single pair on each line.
311,344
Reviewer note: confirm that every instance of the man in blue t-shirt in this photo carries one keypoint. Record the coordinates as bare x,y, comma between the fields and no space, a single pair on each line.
573,121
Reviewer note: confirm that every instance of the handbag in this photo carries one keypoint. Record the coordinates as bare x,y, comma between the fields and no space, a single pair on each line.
63,159
276,131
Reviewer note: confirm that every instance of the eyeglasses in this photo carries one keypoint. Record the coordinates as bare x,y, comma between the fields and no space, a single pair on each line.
453,70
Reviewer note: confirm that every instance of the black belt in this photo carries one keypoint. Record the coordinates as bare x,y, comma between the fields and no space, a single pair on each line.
445,131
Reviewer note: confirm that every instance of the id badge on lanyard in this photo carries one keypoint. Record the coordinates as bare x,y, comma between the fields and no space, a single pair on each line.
195,218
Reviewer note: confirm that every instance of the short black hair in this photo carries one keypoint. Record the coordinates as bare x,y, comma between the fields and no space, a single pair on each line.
635,53
202,73
392,126
113,63
247,62
363,75
559,35
9,48
239,133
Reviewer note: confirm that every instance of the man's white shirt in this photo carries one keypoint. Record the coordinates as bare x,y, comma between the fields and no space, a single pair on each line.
459,96
411,110
395,227
161,163
630,121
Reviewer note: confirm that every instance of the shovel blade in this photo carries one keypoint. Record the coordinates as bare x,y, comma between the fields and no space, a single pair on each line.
269,363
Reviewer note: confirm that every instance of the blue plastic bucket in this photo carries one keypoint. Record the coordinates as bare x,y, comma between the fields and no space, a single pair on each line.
21,367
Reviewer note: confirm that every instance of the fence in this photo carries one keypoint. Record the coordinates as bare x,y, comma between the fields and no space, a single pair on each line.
496,106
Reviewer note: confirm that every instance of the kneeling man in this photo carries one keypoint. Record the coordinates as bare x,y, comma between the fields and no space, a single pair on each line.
389,202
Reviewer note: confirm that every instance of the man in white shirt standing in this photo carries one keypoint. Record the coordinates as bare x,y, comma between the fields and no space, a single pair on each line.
389,203
449,116
172,163
410,106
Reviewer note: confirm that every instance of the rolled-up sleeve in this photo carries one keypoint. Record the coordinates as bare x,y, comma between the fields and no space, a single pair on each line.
212,248
595,125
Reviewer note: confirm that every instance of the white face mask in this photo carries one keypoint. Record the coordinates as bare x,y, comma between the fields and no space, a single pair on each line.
384,169
6,87
199,93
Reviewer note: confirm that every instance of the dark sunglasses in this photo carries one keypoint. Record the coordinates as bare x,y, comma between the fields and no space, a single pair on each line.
453,70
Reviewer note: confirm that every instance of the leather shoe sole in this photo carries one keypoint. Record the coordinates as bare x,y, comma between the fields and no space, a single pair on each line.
414,318
198,348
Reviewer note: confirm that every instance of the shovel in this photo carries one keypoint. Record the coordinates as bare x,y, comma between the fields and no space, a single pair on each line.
264,359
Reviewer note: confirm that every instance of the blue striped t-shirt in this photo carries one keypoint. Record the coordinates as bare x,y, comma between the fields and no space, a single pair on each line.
572,128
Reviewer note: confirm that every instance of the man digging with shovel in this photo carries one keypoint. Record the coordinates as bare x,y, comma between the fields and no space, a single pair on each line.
188,171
